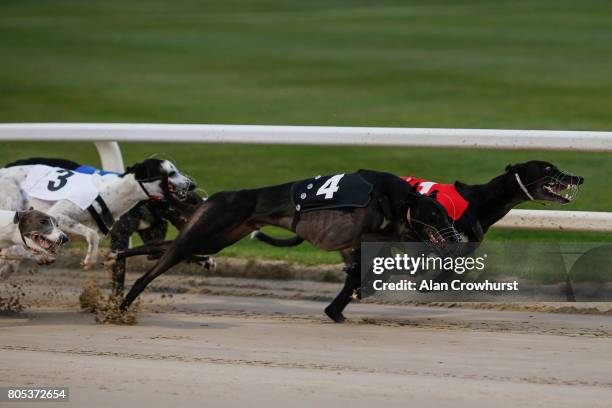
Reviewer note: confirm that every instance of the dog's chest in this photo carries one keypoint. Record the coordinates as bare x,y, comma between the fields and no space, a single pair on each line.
328,192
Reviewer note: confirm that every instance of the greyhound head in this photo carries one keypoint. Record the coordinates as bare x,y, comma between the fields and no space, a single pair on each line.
180,212
161,178
430,221
39,232
540,180
177,212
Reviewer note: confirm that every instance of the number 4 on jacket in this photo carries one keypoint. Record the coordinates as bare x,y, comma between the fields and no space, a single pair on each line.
330,186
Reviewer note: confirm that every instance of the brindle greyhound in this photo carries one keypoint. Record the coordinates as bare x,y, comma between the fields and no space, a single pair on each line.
488,203
333,212
150,221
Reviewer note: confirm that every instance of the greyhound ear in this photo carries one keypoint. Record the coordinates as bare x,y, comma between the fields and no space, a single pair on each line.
16,217
508,167
412,196
138,170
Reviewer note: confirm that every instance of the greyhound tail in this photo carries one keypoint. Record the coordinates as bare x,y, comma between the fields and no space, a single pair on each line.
277,242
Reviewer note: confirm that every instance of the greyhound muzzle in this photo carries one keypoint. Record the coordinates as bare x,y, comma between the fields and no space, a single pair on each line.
561,188
40,244
437,237
178,192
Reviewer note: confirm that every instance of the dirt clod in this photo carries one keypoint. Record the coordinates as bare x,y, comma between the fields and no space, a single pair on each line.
12,299
90,296
109,312
106,309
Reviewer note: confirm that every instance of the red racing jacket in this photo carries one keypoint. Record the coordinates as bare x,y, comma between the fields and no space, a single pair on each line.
447,195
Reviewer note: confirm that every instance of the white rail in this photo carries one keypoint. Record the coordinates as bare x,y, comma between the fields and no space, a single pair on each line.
549,220
106,136
314,135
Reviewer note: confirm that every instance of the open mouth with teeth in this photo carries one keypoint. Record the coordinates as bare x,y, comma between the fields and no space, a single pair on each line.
178,193
560,191
44,245
434,237
443,240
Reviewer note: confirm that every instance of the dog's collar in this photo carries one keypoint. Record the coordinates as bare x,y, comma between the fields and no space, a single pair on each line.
16,222
151,197
522,186
23,239
104,218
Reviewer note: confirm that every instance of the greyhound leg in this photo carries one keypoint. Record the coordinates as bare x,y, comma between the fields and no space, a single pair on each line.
20,252
157,232
12,199
347,256
120,241
170,258
15,254
217,223
153,249
182,249
335,308
352,282
71,226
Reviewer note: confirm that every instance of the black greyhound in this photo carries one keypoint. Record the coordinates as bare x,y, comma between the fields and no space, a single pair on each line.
333,212
475,208
149,220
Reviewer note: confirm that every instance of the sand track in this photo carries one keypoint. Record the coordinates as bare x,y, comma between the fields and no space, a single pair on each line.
196,349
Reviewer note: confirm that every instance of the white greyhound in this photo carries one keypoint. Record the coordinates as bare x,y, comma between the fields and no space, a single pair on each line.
25,232
87,204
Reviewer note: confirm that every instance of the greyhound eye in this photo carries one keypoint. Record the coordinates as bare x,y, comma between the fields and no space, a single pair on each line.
44,222
548,168
172,173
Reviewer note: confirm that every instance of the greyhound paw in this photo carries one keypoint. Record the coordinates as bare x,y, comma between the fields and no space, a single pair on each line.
209,264
44,260
336,316
206,262
86,265
110,260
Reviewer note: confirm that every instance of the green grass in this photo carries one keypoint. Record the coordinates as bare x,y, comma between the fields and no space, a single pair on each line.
473,64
